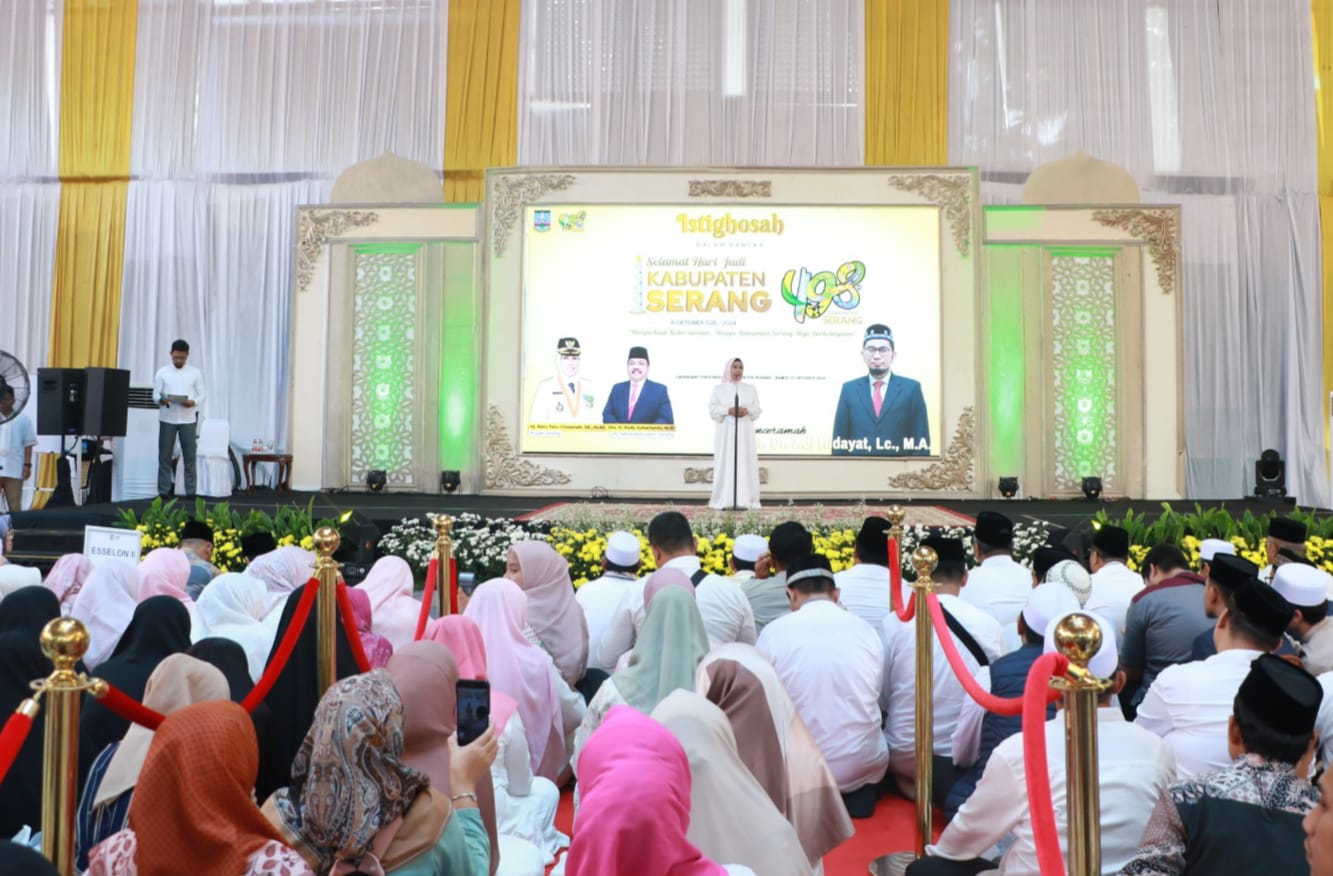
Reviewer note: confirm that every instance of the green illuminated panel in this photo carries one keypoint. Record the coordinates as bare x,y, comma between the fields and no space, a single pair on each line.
1005,374
460,363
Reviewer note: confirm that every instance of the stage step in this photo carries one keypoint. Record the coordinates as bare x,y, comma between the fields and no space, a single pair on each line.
42,547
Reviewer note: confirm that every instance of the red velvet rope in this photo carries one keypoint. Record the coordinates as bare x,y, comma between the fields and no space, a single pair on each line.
427,594
285,648
1050,860
453,585
896,585
349,627
984,698
130,709
12,739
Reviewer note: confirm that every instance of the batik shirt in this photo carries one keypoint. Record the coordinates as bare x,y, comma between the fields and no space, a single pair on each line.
1243,819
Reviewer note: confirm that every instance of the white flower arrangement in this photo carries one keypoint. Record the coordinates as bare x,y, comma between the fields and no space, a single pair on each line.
480,544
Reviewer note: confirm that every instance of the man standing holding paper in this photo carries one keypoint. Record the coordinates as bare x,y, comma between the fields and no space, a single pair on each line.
178,388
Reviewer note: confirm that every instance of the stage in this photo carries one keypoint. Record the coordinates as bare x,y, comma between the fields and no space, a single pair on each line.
42,536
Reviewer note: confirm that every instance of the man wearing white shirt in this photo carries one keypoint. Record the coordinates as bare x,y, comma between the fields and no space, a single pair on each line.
1114,584
1189,705
179,389
745,553
864,588
999,585
17,439
978,639
1307,588
1133,768
600,597
832,664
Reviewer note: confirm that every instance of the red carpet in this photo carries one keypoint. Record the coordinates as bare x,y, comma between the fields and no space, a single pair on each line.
891,829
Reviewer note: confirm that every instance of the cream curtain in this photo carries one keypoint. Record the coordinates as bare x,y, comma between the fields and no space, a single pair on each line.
1206,109
679,82
242,112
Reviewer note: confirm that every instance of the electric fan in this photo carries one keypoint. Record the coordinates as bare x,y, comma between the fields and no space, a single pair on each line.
14,376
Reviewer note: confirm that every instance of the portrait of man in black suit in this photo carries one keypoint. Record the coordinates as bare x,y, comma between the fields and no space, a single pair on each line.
880,413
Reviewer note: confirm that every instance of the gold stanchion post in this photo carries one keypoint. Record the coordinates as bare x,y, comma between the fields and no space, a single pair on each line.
1079,637
444,552
65,641
326,607
896,514
924,561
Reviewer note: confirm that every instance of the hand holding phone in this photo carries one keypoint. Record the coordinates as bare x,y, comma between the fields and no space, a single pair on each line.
474,709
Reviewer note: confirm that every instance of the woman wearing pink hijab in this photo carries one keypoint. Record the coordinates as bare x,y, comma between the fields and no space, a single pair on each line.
389,586
632,758
164,572
66,578
377,648
553,613
549,708
525,804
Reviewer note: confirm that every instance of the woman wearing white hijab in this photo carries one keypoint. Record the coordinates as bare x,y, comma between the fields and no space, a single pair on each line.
282,571
14,577
106,605
731,815
232,606
734,405
394,612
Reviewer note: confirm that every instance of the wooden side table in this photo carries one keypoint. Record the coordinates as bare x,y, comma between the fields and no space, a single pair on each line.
284,463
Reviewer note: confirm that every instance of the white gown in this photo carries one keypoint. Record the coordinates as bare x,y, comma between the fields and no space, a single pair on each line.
747,488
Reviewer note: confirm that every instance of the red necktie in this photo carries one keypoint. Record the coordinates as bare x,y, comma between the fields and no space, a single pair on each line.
879,396
633,398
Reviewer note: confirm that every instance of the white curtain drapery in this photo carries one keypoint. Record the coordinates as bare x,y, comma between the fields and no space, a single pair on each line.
1207,106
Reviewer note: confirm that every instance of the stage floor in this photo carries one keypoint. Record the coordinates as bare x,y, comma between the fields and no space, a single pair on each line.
41,536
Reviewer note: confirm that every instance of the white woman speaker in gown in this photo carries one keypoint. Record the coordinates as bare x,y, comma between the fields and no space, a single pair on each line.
722,407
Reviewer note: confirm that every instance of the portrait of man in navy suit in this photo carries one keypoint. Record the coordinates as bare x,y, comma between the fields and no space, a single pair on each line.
881,413
638,400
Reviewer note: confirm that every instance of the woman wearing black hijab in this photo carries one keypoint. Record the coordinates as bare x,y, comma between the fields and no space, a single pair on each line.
229,657
17,860
28,609
160,628
21,662
293,697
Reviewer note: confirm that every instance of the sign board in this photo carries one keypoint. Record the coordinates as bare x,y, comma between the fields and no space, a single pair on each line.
106,544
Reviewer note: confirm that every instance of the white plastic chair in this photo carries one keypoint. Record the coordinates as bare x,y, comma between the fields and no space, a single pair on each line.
212,461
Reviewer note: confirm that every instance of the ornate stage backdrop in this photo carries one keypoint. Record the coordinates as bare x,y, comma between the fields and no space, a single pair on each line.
428,338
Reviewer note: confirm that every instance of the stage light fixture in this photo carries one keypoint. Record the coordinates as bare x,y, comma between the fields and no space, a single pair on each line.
1092,489
1008,487
376,479
1270,476
450,481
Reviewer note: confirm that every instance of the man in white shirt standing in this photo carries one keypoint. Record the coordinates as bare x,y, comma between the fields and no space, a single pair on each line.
864,588
1114,584
1133,768
1307,589
1189,704
979,640
1000,585
179,389
832,664
17,438
598,598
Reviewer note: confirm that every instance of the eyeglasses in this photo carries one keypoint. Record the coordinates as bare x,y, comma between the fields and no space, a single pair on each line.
877,351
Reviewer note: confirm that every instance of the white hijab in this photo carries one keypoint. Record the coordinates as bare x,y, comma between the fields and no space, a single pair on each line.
14,577
732,817
282,571
106,605
232,606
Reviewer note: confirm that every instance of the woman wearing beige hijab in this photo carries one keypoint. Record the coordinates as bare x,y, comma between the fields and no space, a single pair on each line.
775,744
731,815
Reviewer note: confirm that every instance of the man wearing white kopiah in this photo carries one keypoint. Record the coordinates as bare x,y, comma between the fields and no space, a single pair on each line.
1307,589
1133,768
978,639
1114,584
1000,585
832,664
734,406
599,597
1209,548
179,390
1189,704
745,553
567,397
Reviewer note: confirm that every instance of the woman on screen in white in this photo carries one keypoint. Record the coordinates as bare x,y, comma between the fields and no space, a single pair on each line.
734,405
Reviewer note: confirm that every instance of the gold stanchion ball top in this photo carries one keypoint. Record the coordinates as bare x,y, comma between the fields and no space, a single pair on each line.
924,560
65,640
896,515
1078,636
444,524
326,541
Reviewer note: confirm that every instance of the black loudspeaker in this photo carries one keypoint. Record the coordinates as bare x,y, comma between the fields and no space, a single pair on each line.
60,401
106,401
